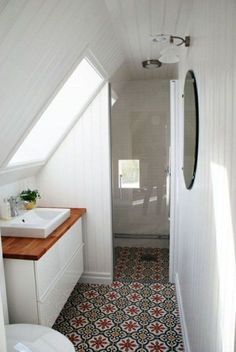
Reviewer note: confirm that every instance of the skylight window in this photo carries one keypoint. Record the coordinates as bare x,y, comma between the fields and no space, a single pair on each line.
59,115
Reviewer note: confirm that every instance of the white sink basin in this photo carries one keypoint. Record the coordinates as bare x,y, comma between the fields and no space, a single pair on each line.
36,223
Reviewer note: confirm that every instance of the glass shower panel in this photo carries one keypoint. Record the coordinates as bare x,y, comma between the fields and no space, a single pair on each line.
140,158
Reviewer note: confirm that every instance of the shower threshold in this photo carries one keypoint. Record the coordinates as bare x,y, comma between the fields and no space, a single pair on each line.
142,236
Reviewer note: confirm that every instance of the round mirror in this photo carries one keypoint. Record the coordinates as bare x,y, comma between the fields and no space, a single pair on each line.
190,129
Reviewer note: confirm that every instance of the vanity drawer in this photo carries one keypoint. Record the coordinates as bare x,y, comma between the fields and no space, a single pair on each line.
51,304
50,265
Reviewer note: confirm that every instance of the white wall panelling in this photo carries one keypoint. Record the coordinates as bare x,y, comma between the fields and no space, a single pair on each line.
14,188
207,222
40,41
182,315
174,162
78,175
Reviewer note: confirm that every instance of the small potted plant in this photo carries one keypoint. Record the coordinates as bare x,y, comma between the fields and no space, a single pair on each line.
29,197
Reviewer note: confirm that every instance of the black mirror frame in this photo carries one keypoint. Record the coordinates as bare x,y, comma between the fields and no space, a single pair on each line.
197,130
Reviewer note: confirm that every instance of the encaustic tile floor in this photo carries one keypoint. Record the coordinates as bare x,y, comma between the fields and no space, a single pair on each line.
141,264
128,316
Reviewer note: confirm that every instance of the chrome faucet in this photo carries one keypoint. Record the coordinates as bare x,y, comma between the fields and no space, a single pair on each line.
14,206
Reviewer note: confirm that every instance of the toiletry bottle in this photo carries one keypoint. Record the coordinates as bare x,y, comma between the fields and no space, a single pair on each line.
8,210
5,210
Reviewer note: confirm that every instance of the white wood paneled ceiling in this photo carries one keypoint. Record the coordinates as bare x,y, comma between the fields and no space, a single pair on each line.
41,40
136,21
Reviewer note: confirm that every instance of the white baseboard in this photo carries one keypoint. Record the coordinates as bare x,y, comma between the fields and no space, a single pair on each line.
96,278
181,313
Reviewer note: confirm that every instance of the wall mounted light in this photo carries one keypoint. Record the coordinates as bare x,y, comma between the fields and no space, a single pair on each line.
180,40
169,55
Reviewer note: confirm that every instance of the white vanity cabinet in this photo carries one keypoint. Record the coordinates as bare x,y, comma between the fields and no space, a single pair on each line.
38,289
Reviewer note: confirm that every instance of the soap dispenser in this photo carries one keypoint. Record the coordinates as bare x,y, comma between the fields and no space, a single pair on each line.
5,210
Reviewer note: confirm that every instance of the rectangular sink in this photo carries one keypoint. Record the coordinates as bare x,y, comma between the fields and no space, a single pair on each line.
36,223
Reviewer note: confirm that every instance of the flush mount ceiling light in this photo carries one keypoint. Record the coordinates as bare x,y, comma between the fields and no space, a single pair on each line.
169,55
151,64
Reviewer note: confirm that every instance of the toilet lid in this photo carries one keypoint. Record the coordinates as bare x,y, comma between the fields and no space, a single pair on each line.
36,338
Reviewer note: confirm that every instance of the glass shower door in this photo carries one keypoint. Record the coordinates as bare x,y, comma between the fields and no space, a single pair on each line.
140,158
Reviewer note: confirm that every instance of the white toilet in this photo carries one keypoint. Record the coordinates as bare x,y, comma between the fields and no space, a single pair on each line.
29,337
35,338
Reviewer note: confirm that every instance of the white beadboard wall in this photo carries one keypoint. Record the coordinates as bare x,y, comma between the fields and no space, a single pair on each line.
14,188
40,42
78,175
206,272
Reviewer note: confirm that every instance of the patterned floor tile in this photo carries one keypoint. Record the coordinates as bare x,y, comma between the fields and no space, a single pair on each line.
129,315
147,321
130,264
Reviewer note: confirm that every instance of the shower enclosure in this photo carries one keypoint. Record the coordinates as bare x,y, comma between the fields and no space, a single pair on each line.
140,133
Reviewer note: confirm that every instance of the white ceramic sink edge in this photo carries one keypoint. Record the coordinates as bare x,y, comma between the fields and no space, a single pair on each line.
35,223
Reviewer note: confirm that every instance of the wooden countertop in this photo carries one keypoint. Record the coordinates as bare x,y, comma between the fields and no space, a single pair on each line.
34,248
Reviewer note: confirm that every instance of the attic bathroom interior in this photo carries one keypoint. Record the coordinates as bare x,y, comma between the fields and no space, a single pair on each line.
117,176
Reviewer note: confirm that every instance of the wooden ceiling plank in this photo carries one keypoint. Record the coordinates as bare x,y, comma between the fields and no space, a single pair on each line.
172,13
136,21
157,8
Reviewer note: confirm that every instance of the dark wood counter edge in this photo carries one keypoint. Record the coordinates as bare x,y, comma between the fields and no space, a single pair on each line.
34,248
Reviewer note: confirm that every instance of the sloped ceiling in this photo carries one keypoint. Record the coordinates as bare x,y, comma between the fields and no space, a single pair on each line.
136,21
40,41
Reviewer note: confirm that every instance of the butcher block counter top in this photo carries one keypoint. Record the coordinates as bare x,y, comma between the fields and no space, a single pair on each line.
34,248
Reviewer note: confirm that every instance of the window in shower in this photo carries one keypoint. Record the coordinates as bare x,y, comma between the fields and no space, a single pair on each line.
129,173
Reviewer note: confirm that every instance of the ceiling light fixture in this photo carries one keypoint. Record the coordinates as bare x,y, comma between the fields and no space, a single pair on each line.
169,54
151,64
